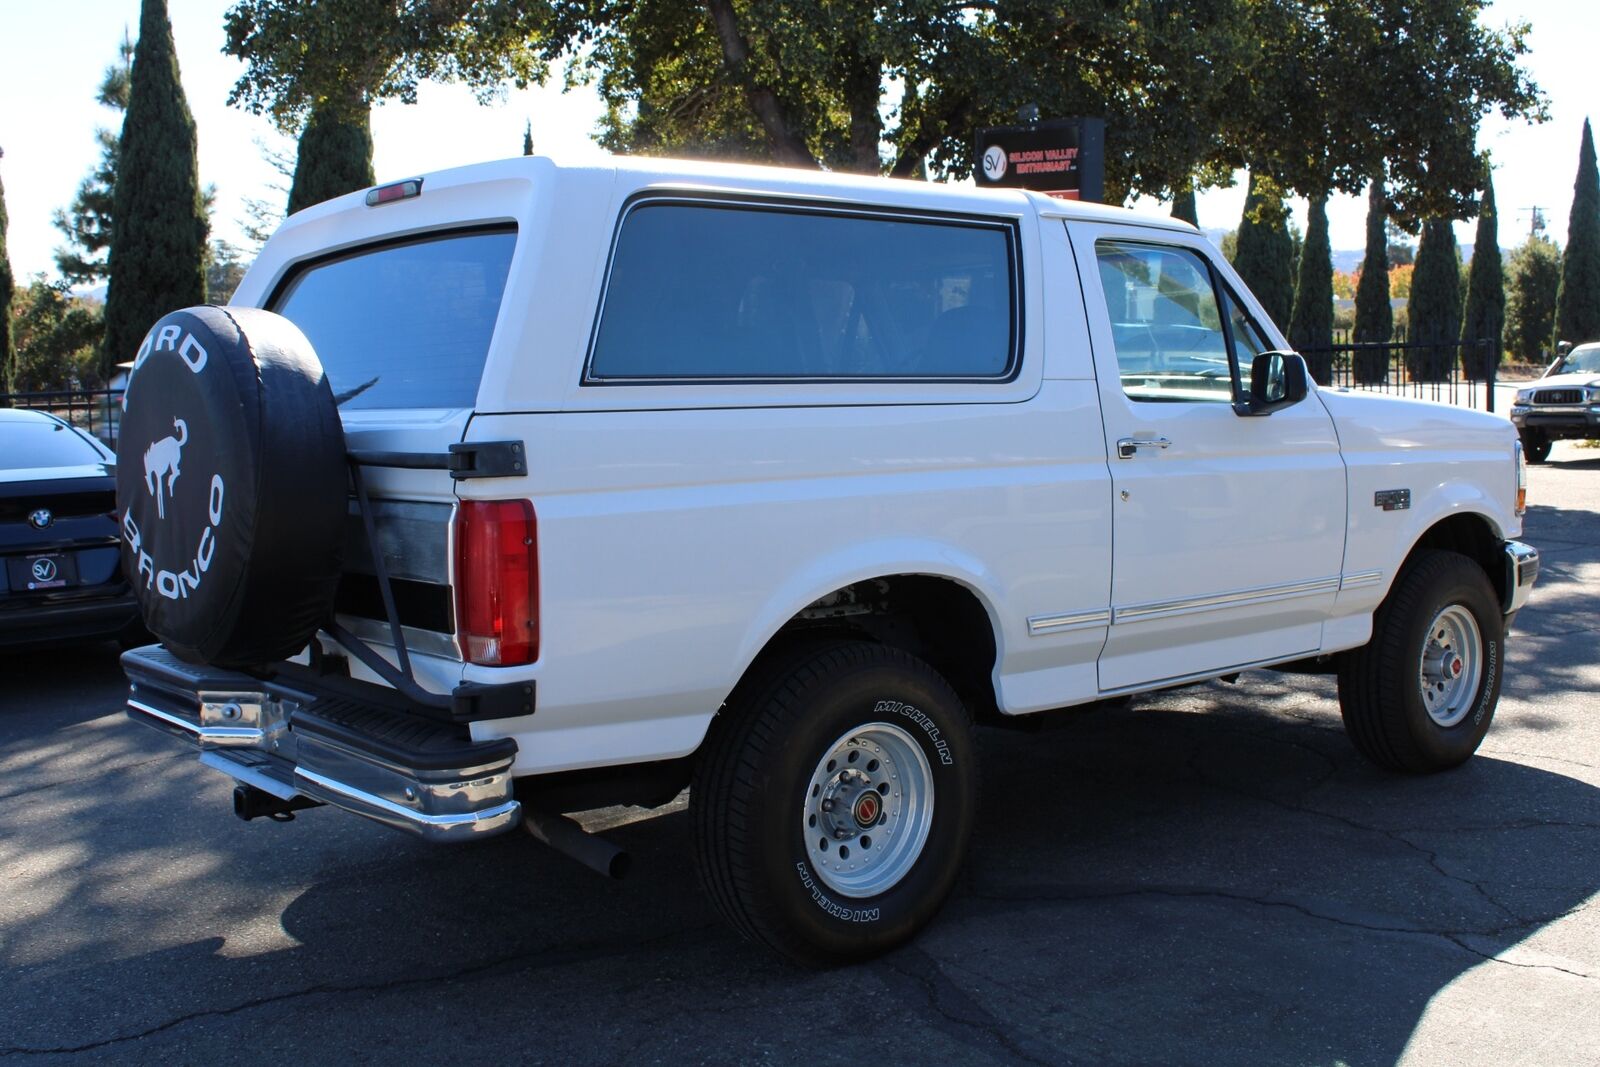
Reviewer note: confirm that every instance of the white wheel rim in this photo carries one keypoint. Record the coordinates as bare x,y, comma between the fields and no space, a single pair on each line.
867,810
1451,665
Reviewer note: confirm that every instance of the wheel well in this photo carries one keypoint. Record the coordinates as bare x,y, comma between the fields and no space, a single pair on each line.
1473,537
936,619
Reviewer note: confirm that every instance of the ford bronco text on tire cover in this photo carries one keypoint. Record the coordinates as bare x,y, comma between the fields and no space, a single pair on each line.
526,489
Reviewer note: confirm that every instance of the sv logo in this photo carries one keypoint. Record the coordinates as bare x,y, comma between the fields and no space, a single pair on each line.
161,458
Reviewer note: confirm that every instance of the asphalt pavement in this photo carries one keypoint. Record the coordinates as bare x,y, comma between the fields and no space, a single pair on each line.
1208,876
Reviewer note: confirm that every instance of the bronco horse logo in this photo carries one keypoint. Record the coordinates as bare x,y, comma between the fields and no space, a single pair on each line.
161,458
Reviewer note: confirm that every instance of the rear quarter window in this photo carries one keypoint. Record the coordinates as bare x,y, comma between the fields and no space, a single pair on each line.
405,324
750,292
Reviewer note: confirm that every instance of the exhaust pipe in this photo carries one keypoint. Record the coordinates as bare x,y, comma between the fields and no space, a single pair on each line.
565,835
252,803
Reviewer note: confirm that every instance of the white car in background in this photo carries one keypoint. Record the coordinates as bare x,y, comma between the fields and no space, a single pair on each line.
1563,405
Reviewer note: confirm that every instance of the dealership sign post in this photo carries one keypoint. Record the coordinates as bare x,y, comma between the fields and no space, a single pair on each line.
1063,157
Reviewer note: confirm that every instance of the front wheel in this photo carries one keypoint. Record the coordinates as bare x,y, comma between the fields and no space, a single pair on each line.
1535,445
834,802
1421,695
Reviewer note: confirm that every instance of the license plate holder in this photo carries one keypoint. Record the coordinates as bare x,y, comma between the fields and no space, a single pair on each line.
42,573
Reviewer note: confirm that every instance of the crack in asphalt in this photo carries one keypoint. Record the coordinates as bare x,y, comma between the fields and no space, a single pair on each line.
1451,936
936,986
547,956
1396,835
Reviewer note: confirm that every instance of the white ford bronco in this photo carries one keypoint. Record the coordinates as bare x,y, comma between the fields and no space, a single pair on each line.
525,489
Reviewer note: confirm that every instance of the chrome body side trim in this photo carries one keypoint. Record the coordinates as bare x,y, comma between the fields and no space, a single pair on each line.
1038,625
1522,570
1360,579
1160,609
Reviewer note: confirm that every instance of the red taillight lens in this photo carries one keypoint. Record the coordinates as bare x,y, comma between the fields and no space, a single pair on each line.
497,582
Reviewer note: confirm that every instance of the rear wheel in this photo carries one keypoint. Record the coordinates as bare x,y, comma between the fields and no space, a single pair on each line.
1421,695
834,802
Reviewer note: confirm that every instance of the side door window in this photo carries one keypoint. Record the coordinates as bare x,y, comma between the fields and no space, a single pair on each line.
1167,327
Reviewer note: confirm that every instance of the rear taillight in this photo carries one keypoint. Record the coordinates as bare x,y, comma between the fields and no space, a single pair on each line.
497,582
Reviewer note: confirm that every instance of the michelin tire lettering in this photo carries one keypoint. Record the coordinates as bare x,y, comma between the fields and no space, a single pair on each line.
918,716
833,908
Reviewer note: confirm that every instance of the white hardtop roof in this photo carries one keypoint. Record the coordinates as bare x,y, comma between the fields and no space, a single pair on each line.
637,173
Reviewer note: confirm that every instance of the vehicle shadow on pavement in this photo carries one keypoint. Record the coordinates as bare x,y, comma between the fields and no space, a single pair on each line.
1212,874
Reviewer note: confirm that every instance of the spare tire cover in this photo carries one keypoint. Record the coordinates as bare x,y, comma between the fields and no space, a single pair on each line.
231,485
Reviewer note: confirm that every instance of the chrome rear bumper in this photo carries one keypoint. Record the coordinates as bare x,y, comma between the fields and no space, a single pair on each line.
288,739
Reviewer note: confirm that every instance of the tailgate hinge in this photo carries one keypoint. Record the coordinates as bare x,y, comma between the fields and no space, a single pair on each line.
487,459
472,702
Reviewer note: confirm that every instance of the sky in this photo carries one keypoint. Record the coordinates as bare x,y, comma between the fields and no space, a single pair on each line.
52,56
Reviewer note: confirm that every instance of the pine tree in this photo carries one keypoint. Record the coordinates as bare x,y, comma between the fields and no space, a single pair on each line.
1578,301
1485,317
8,348
1266,251
1183,206
335,154
527,139
157,257
1374,313
86,224
1435,304
1311,324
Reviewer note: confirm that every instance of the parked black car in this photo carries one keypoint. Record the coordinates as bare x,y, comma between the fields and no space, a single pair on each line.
60,574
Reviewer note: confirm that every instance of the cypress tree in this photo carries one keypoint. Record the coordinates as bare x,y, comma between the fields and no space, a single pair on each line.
1265,250
8,348
1578,301
335,154
527,139
1485,317
1311,324
158,247
1435,305
1374,314
1183,206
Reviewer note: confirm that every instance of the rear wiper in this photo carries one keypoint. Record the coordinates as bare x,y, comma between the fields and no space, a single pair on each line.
351,394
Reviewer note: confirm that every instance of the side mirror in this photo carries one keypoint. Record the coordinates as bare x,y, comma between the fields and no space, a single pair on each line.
1277,380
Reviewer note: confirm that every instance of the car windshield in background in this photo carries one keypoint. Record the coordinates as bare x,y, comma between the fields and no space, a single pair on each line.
404,325
36,445
1582,361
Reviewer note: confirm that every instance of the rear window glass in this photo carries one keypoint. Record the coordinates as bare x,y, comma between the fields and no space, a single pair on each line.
750,292
26,445
404,325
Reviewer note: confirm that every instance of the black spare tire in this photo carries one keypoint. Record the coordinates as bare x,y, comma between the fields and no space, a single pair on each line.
231,486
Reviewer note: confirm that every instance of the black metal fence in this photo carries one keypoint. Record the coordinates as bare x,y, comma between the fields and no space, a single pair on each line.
98,411
1453,372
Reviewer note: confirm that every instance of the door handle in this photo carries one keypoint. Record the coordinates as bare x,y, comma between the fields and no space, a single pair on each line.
1128,447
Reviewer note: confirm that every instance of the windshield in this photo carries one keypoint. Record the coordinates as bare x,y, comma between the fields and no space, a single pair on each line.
30,445
404,325
1585,360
